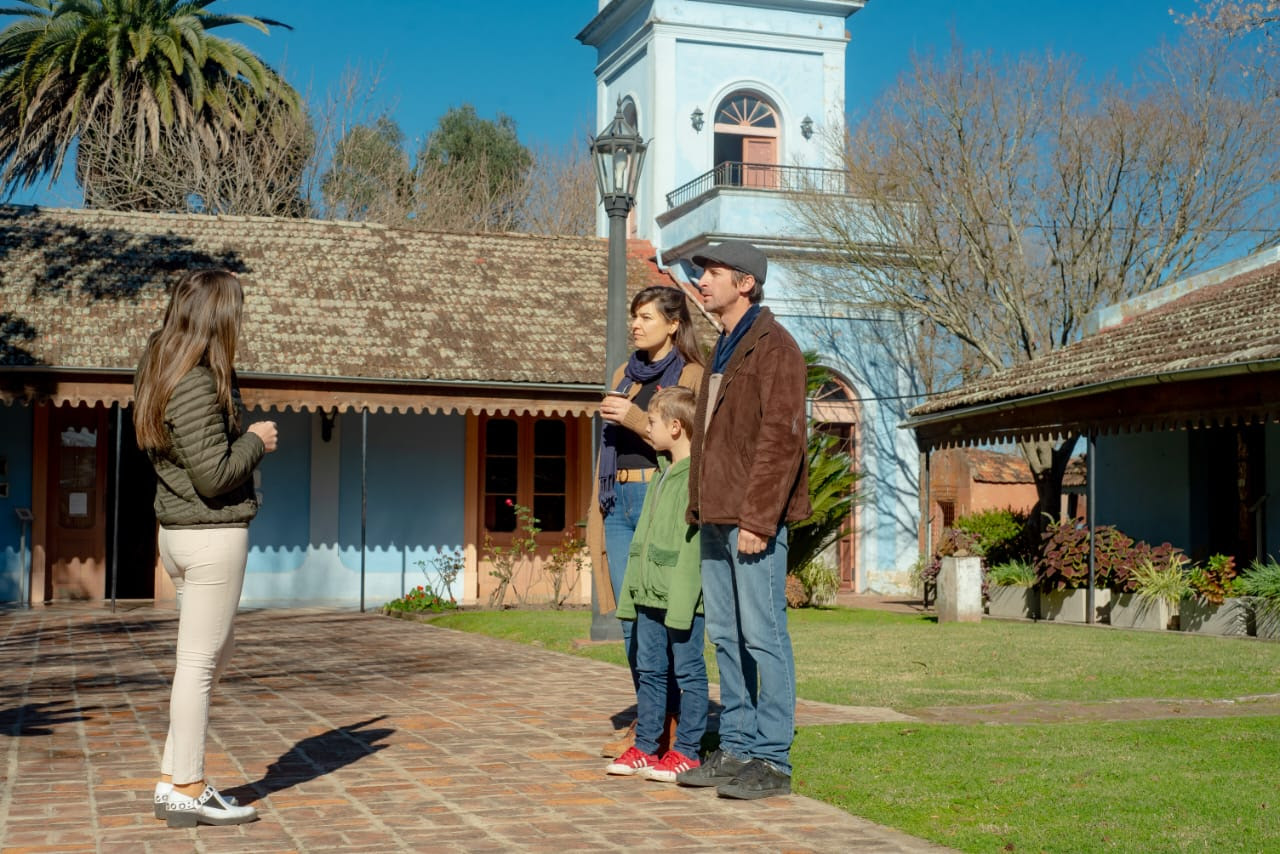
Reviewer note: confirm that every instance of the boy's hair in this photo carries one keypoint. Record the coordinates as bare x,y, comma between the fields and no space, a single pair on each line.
675,403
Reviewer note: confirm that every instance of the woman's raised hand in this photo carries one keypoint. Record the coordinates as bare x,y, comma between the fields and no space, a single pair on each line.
614,407
266,431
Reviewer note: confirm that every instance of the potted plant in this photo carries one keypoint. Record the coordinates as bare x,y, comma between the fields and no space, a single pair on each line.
821,583
1216,605
1011,592
1062,573
954,541
1158,590
1261,583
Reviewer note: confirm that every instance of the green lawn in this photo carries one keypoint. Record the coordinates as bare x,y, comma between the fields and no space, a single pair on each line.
875,658
1149,786
1140,786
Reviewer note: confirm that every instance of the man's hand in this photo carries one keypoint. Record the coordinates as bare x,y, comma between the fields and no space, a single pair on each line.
751,544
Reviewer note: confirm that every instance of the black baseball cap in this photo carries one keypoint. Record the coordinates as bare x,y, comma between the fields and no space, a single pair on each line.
737,254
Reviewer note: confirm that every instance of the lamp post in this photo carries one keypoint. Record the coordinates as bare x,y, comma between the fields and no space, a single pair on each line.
619,155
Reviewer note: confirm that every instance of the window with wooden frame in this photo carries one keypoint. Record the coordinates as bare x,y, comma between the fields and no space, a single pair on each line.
746,141
529,461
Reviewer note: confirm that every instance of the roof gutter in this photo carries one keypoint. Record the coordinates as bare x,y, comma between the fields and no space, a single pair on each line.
487,385
1214,372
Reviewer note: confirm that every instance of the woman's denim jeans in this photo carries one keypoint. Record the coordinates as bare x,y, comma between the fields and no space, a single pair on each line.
746,611
661,654
619,529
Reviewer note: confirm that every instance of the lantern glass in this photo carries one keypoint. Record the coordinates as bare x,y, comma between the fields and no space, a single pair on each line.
619,153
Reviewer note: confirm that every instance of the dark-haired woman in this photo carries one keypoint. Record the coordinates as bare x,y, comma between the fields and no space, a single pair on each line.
666,353
187,418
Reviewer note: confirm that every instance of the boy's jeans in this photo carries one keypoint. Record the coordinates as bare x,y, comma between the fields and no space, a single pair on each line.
619,530
746,612
661,653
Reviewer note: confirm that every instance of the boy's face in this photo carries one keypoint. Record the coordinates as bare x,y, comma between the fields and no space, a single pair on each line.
661,431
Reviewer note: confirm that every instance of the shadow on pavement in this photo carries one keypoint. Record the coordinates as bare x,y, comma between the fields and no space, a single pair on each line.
314,757
38,718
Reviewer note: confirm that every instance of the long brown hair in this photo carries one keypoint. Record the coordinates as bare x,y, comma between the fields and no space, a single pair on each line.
671,303
200,327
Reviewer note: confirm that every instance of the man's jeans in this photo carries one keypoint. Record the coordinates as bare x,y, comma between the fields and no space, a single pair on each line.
661,653
746,612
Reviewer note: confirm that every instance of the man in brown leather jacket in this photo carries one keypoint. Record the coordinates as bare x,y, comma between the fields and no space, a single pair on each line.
748,478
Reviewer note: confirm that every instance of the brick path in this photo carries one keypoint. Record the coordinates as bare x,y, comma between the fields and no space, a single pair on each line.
357,733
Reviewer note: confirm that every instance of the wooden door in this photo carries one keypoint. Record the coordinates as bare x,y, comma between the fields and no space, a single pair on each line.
759,156
76,508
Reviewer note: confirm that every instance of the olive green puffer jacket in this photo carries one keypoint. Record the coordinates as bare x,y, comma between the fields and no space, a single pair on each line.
205,476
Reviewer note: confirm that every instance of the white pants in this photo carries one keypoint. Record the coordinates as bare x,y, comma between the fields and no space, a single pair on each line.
207,568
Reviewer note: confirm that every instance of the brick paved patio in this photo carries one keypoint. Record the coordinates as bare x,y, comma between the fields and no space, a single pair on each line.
356,732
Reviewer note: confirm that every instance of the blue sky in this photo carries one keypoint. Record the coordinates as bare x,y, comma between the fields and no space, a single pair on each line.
520,57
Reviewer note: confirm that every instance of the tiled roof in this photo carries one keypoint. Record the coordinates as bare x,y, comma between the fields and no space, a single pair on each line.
987,466
996,467
1229,322
83,289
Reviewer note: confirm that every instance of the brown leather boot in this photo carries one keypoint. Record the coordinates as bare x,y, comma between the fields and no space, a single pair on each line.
617,747
667,740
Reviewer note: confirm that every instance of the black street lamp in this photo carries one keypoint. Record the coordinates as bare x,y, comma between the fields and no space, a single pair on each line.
619,155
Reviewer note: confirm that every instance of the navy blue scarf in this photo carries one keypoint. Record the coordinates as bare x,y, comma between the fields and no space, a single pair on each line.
667,371
726,344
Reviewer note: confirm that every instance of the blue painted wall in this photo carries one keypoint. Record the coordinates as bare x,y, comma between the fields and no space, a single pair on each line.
306,539
1143,487
15,447
416,474
863,349
278,537
1273,488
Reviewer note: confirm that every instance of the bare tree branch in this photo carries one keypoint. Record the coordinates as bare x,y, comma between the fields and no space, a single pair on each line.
1003,203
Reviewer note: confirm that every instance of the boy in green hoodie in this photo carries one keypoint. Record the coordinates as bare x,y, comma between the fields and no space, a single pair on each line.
662,592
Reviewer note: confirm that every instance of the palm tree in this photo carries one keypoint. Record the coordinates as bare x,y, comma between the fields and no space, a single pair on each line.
127,69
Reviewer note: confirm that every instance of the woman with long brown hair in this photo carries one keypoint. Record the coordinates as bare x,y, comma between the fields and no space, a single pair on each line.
666,353
187,418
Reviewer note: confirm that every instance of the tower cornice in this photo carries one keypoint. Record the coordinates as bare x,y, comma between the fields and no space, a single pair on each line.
618,12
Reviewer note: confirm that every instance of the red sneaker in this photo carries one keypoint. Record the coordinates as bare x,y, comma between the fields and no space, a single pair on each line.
634,761
670,765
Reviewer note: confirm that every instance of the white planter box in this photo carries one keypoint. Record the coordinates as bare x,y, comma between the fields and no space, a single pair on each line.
1232,618
1020,603
1069,605
1266,616
960,590
1131,611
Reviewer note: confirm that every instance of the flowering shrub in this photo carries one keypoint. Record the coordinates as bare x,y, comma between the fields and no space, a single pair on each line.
509,560
449,566
420,599
564,568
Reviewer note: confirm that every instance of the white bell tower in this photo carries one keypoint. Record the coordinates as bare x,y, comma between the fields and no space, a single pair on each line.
731,95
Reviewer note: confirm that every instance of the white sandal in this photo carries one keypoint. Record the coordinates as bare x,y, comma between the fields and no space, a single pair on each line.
210,808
